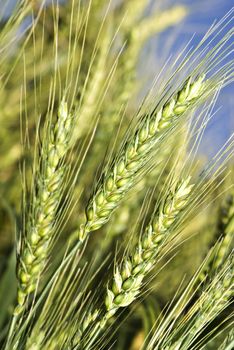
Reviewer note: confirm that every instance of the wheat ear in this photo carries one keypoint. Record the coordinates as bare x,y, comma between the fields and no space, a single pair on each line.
91,99
128,279
226,228
131,11
225,231
228,342
46,195
157,23
125,171
213,300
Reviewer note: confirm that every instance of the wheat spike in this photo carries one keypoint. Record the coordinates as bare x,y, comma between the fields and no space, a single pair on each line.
214,299
226,228
124,172
46,196
127,281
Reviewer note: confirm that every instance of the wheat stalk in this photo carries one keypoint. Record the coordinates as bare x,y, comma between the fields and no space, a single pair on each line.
45,198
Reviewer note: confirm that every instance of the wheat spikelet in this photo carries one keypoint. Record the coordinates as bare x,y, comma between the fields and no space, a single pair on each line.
124,87
46,196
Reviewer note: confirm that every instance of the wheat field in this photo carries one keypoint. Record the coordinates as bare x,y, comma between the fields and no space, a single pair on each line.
116,221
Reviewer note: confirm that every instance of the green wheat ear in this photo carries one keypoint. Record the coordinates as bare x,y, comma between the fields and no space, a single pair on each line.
225,231
228,342
125,171
48,185
226,228
215,297
128,278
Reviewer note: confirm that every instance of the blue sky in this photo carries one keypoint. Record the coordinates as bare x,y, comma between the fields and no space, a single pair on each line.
223,124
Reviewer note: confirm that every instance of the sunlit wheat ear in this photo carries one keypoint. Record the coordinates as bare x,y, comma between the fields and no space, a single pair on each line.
152,181
125,169
47,191
128,278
